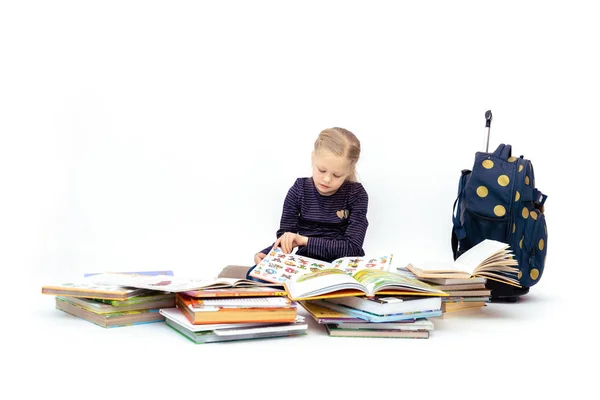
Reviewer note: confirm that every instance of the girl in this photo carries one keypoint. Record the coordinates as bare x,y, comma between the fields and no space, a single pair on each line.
324,216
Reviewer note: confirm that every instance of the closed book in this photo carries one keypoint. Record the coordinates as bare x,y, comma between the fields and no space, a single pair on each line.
224,315
386,305
123,318
333,330
449,307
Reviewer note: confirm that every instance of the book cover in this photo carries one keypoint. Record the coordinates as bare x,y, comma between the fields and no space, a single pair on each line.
329,283
366,316
118,319
100,307
166,272
233,315
278,267
257,291
173,284
197,304
335,331
93,290
324,315
390,305
406,325
176,320
176,316
450,307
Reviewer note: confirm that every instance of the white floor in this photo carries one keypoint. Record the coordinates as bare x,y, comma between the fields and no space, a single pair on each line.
533,347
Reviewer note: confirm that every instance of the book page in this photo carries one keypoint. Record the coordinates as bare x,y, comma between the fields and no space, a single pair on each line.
278,267
321,282
375,281
167,283
477,254
352,264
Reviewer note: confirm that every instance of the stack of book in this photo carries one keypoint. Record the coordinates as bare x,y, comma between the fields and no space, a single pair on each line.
221,309
390,316
234,313
464,279
108,305
463,294
368,303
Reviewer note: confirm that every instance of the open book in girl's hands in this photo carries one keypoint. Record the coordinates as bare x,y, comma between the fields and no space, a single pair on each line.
489,259
278,267
329,283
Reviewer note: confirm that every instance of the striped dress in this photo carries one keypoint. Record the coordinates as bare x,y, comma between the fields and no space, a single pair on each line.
335,225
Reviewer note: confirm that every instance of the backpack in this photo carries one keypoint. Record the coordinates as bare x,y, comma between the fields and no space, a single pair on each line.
498,200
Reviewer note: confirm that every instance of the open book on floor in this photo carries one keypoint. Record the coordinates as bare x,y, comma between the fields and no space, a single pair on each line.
173,284
278,267
329,283
489,259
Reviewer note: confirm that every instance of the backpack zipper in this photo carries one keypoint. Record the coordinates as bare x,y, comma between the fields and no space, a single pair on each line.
514,204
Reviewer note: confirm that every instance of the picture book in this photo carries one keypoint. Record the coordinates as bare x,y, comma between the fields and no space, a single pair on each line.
278,267
324,315
463,305
176,316
409,325
151,296
367,316
122,318
239,302
470,293
489,259
334,330
86,288
169,283
234,314
223,333
255,291
100,307
383,305
133,272
462,286
328,283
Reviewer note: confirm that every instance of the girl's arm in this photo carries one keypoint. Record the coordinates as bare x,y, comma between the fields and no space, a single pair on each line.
352,242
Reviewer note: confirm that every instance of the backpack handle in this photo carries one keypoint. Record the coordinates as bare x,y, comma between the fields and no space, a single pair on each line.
503,151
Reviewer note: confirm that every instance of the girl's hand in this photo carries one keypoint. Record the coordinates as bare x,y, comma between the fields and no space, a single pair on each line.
258,257
288,241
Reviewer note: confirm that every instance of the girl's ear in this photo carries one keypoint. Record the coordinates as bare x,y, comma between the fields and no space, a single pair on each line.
312,157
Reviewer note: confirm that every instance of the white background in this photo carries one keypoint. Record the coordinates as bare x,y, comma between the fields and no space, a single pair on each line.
138,135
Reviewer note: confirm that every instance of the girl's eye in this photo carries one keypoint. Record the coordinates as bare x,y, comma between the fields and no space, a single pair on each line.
320,170
337,176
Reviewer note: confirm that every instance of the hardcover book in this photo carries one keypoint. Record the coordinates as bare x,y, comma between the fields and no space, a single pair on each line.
224,315
90,289
101,307
390,305
122,318
330,283
175,284
223,333
278,267
253,291
334,330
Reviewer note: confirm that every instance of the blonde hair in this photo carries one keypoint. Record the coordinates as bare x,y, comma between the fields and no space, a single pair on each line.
340,142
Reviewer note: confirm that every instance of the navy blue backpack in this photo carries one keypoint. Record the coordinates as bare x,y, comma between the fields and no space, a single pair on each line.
498,200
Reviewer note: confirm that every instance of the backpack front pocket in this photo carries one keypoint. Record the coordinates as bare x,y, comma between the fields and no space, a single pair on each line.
478,226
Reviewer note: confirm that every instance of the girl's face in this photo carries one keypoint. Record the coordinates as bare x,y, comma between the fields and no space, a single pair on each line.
329,171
